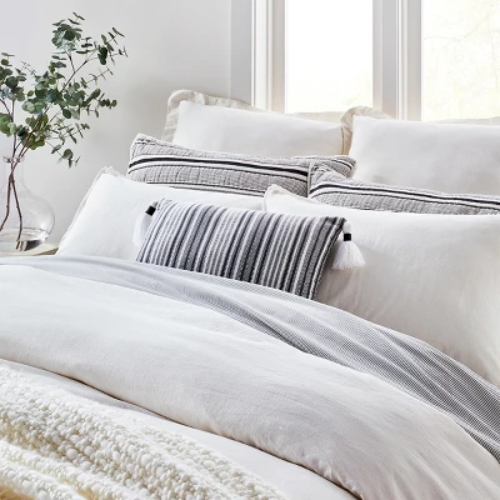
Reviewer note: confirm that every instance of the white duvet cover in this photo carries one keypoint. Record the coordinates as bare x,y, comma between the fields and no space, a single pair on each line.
236,390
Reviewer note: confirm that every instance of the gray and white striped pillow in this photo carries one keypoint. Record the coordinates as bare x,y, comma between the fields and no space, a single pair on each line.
287,252
330,188
158,162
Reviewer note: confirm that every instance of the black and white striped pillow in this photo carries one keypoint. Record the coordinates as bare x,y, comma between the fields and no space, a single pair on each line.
287,252
330,188
158,162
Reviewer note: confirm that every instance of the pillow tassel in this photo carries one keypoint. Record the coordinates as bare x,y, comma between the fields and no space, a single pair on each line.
142,225
347,254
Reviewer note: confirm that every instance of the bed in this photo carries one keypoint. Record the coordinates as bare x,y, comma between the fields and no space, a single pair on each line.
205,357
342,356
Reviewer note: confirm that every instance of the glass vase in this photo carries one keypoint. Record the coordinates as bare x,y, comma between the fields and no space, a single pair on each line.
26,220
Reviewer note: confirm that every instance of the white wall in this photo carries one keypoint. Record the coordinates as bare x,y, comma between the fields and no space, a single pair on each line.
172,44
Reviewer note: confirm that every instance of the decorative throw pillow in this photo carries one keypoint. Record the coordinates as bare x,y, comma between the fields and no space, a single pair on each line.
274,250
157,162
329,187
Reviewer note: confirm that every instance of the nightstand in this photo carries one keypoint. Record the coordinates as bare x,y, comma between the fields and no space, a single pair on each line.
45,249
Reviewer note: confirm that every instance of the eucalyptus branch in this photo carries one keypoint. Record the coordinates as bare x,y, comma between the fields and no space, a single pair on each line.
70,58
6,107
58,97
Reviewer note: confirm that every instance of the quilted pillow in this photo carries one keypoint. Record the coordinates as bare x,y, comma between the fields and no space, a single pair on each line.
287,252
329,187
158,162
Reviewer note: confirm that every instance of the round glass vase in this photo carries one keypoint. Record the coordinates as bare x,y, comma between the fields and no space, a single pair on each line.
26,220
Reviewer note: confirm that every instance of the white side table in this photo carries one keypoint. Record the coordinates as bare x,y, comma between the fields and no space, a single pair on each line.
45,249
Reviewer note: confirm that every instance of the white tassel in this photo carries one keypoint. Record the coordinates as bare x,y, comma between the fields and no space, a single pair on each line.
347,254
142,225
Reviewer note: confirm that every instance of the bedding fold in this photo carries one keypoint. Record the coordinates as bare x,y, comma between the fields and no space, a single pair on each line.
299,380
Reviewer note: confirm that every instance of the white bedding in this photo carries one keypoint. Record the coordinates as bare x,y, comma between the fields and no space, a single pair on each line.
208,371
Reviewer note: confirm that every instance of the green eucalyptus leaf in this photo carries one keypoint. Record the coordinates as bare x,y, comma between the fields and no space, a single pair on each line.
52,95
12,82
69,35
5,121
36,144
66,113
29,106
22,133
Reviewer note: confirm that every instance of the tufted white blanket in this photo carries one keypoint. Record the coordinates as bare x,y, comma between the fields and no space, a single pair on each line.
54,445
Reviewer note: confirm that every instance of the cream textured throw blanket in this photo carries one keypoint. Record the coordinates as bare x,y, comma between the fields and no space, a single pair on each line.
56,446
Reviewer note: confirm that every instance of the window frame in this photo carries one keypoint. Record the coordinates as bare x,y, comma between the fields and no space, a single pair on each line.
260,27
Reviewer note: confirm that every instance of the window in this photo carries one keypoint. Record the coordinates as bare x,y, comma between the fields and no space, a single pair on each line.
461,59
329,54
429,59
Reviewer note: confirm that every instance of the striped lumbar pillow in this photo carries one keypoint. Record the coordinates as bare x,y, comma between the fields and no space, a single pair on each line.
287,252
158,162
328,187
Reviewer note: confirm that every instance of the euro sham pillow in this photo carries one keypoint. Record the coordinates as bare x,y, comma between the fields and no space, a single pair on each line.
157,162
179,96
286,252
453,158
347,120
434,277
271,135
104,224
329,187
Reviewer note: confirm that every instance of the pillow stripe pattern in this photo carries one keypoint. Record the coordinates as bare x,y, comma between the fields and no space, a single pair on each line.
328,187
156,162
287,252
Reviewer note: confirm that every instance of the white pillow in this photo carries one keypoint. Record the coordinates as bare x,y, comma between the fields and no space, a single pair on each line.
179,96
104,224
434,277
454,158
347,119
229,130
175,99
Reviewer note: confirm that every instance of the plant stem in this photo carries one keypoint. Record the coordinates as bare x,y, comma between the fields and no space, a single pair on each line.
10,181
18,206
6,108
12,114
7,208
